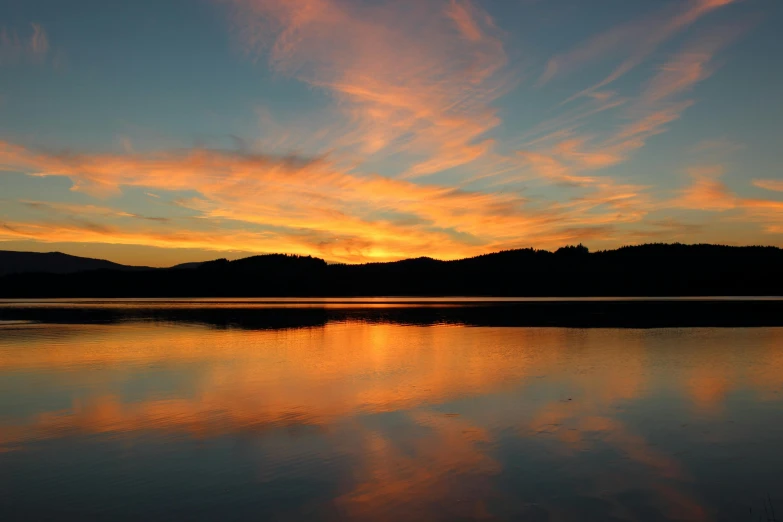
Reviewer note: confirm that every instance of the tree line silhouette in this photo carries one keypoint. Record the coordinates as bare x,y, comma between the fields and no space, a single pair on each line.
646,270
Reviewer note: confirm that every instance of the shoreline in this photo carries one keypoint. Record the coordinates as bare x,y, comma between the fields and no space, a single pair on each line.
606,313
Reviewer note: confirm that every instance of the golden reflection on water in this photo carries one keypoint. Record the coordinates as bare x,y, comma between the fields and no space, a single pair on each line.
460,391
252,378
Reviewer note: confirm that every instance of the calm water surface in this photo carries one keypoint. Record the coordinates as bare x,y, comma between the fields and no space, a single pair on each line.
177,419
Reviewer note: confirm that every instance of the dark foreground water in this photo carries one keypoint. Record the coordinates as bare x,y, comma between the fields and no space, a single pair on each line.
220,412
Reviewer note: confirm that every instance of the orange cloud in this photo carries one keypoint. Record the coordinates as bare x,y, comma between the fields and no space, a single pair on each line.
639,39
423,89
769,184
552,169
565,124
708,193
467,17
768,213
563,156
574,150
678,75
690,66
261,203
421,93
657,105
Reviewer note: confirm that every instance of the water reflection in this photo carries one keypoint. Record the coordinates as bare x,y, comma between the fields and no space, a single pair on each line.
371,420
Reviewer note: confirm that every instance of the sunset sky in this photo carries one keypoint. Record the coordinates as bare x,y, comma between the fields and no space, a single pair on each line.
161,131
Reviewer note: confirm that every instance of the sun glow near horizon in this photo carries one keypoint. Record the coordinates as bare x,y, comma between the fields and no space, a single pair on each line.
360,131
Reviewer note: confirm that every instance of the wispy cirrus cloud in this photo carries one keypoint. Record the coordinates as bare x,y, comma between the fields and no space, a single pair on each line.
28,46
769,184
637,40
564,153
94,211
98,231
421,89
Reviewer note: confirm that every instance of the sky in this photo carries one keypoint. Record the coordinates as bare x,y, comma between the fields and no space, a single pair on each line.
156,132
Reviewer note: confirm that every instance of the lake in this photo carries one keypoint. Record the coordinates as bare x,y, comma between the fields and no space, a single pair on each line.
399,410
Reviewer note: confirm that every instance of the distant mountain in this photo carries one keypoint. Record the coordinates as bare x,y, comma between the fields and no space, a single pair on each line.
187,266
12,262
54,263
645,270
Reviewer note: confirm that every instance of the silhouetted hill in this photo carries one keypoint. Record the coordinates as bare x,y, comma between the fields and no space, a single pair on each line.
187,266
646,270
54,263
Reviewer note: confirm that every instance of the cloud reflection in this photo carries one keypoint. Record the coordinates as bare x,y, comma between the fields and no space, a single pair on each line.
423,411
